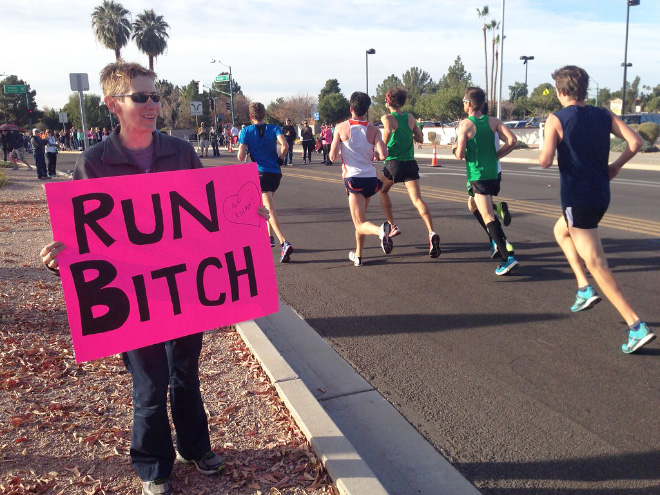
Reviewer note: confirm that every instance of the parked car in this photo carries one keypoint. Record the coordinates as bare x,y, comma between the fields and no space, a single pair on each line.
640,118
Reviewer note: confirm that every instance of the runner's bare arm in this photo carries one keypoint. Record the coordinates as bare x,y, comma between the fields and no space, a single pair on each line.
283,145
633,145
242,152
336,139
418,136
510,139
551,140
461,140
387,127
380,150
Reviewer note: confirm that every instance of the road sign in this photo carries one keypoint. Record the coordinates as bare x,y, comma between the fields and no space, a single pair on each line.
64,118
222,78
79,81
15,88
196,108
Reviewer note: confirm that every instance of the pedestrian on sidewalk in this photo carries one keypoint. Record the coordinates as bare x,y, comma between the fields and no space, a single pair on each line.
16,143
400,130
262,139
52,144
580,134
39,153
134,147
307,141
290,134
476,144
359,141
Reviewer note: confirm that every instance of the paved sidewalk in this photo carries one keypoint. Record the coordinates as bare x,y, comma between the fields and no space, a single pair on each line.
367,447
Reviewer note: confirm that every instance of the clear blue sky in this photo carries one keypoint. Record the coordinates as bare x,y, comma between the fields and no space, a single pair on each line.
283,48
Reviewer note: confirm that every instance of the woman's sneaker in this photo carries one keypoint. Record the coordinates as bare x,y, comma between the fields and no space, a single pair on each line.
272,241
506,266
585,299
156,487
394,231
494,250
357,261
638,338
209,463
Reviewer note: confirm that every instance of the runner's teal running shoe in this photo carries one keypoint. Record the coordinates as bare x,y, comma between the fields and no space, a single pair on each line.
494,250
585,299
638,338
506,266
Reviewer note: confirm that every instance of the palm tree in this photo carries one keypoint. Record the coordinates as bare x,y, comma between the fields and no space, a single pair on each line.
492,27
497,66
150,35
112,26
483,13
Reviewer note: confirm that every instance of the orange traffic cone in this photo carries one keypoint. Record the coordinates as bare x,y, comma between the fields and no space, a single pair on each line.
434,160
231,150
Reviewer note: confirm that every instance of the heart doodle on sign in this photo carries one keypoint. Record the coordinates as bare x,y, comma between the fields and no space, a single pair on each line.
243,207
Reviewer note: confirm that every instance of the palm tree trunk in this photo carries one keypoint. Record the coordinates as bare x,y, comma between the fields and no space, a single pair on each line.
151,62
117,54
492,70
485,62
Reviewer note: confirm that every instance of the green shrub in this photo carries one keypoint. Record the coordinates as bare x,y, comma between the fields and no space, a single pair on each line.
649,132
432,136
521,145
4,164
3,179
617,144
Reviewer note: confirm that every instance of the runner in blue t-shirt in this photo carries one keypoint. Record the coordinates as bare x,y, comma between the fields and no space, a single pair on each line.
261,140
580,134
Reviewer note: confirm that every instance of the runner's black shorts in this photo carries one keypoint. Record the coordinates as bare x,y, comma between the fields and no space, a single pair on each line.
490,187
367,186
269,181
403,171
584,217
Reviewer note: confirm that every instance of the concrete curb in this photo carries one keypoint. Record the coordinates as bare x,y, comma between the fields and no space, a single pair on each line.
364,442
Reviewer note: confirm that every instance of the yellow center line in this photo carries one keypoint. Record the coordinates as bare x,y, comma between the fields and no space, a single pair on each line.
619,222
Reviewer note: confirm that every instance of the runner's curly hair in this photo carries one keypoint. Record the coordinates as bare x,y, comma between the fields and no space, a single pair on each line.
396,97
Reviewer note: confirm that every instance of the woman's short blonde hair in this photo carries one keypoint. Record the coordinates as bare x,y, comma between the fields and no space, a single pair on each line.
117,76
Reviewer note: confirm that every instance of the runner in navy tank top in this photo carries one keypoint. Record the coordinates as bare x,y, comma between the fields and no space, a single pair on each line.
581,136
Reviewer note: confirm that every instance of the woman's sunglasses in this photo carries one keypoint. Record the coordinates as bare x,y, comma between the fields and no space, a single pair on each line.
141,97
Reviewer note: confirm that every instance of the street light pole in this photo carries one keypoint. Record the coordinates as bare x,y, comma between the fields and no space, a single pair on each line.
525,58
370,51
231,91
501,62
625,64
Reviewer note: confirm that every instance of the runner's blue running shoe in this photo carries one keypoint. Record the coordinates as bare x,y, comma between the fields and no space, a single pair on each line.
585,299
638,338
494,250
506,266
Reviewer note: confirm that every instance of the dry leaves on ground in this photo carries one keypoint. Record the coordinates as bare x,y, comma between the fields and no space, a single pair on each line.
65,427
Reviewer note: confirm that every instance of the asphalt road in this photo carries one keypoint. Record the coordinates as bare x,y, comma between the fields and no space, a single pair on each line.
521,395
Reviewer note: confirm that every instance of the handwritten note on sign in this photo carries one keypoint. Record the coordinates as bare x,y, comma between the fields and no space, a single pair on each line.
153,257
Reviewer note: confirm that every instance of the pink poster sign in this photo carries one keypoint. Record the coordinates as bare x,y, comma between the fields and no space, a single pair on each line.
153,257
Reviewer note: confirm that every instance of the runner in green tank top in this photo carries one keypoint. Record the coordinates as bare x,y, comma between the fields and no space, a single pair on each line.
400,129
476,144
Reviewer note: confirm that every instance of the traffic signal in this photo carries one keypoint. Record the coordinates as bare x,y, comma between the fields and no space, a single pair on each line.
212,104
228,106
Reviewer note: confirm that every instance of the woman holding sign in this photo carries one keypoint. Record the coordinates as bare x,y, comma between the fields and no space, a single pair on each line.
134,147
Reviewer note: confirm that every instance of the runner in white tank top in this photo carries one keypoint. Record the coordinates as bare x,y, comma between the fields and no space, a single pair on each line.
357,140
357,154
